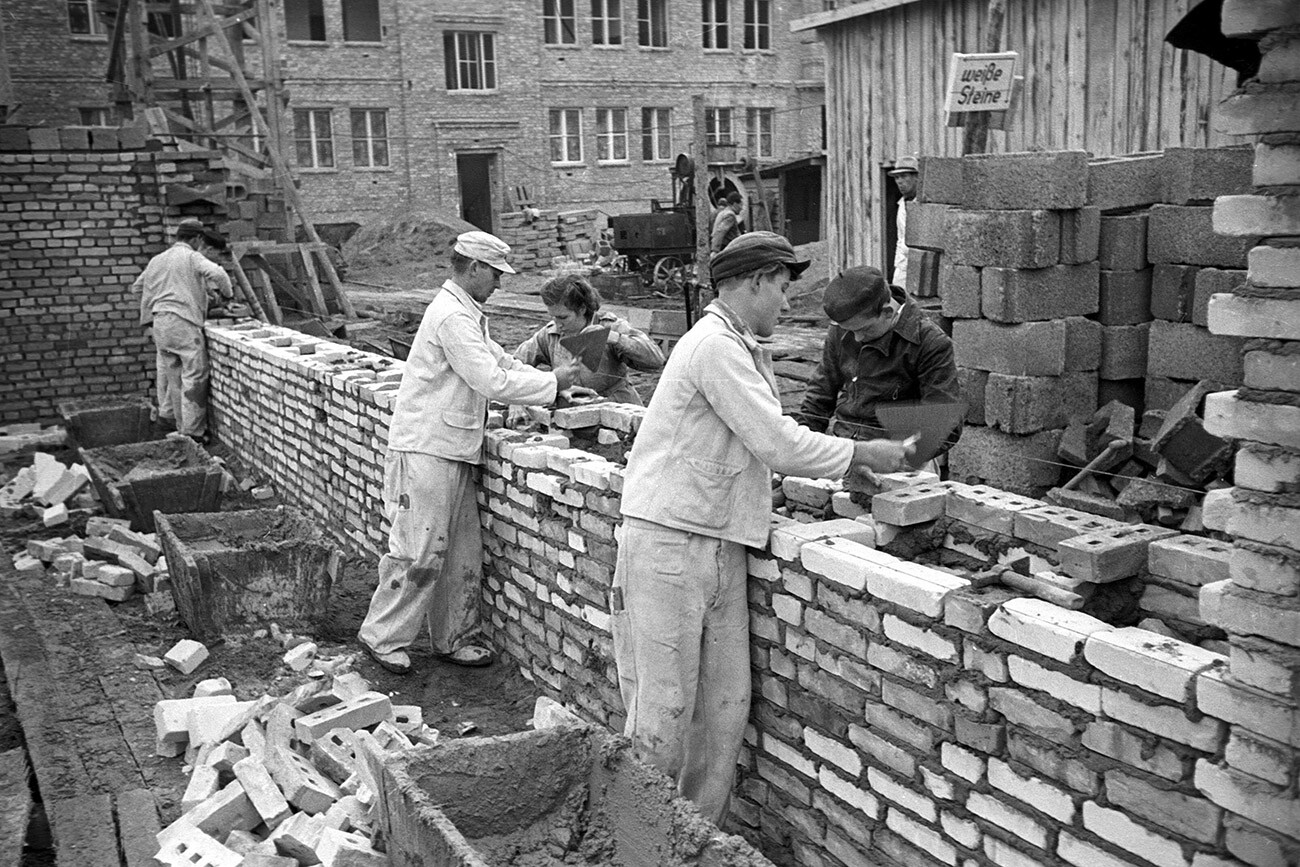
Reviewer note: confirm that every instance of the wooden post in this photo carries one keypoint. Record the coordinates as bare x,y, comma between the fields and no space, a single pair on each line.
703,207
975,137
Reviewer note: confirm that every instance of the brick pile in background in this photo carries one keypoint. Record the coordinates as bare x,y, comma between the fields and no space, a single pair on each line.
537,237
83,214
1042,262
1257,602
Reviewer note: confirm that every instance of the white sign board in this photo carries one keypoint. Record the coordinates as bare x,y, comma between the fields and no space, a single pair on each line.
981,82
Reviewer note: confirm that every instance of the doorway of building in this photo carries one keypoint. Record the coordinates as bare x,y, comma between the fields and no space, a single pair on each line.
803,205
890,202
474,173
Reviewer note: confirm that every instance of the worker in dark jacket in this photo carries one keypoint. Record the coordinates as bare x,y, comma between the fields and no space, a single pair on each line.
880,348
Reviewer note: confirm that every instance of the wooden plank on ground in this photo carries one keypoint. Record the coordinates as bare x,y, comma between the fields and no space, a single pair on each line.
15,806
85,832
137,827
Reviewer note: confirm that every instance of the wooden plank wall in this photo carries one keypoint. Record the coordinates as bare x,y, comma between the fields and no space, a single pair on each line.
1098,77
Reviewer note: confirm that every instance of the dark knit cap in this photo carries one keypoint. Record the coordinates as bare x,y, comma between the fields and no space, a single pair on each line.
855,291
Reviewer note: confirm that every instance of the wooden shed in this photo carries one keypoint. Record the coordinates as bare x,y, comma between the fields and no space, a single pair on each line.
1098,76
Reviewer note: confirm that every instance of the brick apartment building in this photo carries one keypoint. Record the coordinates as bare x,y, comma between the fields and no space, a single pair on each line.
451,105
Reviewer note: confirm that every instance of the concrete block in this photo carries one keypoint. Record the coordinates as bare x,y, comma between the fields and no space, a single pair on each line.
1173,289
74,138
1080,235
1126,182
1012,295
1191,560
1180,350
1149,661
959,287
1008,239
1197,175
1041,179
1021,464
1274,318
1124,351
262,792
1190,235
1245,218
926,225
44,139
1122,242
1028,404
972,384
940,180
186,655
1027,349
1044,628
1109,555
1082,344
1210,282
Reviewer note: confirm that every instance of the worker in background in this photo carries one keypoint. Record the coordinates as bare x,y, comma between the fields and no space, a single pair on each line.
879,348
697,492
175,290
726,223
574,307
434,564
906,175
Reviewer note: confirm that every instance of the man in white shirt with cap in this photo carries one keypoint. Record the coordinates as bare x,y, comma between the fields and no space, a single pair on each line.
433,569
906,175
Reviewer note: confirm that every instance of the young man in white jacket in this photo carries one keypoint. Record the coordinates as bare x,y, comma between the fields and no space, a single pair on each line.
698,492
434,565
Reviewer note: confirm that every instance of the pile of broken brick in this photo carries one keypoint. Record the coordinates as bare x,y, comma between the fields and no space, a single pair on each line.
45,489
281,781
1156,471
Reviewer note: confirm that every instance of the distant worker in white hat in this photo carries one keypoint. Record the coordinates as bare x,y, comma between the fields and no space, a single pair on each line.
434,565
906,175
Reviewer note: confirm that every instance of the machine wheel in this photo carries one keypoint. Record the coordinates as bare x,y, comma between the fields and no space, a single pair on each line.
670,270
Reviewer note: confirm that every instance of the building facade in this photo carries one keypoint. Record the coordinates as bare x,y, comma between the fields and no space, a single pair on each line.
472,108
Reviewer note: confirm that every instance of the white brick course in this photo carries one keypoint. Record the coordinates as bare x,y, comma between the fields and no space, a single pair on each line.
1156,663
1044,628
1085,696
1117,828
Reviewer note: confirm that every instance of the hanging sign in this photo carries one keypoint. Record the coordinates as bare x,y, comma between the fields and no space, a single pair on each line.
981,82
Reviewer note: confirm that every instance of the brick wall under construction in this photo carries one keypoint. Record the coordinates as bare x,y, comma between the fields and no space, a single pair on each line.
85,208
901,707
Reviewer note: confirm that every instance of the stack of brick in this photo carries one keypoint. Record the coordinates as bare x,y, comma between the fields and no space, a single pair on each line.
85,209
537,237
1019,277
1257,602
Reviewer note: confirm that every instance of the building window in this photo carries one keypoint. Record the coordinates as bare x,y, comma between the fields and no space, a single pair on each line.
656,134
82,20
314,137
713,15
471,61
566,135
304,20
606,22
611,135
559,23
758,131
96,116
361,21
717,126
758,25
652,23
370,138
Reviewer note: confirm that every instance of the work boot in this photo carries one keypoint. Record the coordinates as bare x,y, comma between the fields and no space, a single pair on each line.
397,661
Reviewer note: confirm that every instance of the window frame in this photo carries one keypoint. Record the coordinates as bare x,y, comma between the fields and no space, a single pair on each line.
96,30
566,135
370,139
711,26
645,23
609,137
314,140
554,16
712,114
753,136
655,132
600,12
309,40
756,30
105,114
379,24
486,66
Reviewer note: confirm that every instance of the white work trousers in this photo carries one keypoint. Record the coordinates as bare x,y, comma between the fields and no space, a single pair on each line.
433,570
681,645
182,373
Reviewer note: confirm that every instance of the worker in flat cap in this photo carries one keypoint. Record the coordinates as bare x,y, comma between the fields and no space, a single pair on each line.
175,289
433,569
696,494
879,348
907,177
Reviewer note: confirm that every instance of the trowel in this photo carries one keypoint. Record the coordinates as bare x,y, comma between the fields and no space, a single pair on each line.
587,346
930,422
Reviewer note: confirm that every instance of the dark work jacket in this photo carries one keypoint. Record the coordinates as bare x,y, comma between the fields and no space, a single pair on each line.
911,361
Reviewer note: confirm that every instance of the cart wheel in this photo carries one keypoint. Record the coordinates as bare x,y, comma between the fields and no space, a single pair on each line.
670,270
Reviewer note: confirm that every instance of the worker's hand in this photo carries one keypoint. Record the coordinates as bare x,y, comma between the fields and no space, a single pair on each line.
883,456
516,417
567,374
579,394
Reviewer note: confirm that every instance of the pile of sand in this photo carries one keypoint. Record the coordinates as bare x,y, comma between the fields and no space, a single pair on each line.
403,245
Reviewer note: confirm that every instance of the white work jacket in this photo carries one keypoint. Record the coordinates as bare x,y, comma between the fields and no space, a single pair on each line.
453,370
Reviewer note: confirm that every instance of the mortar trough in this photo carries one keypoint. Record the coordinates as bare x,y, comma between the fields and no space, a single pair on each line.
110,420
255,566
168,475
560,796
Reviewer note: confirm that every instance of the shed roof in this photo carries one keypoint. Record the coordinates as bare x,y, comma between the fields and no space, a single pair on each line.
844,13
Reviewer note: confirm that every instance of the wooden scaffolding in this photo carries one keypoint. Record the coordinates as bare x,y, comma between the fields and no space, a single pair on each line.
209,75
